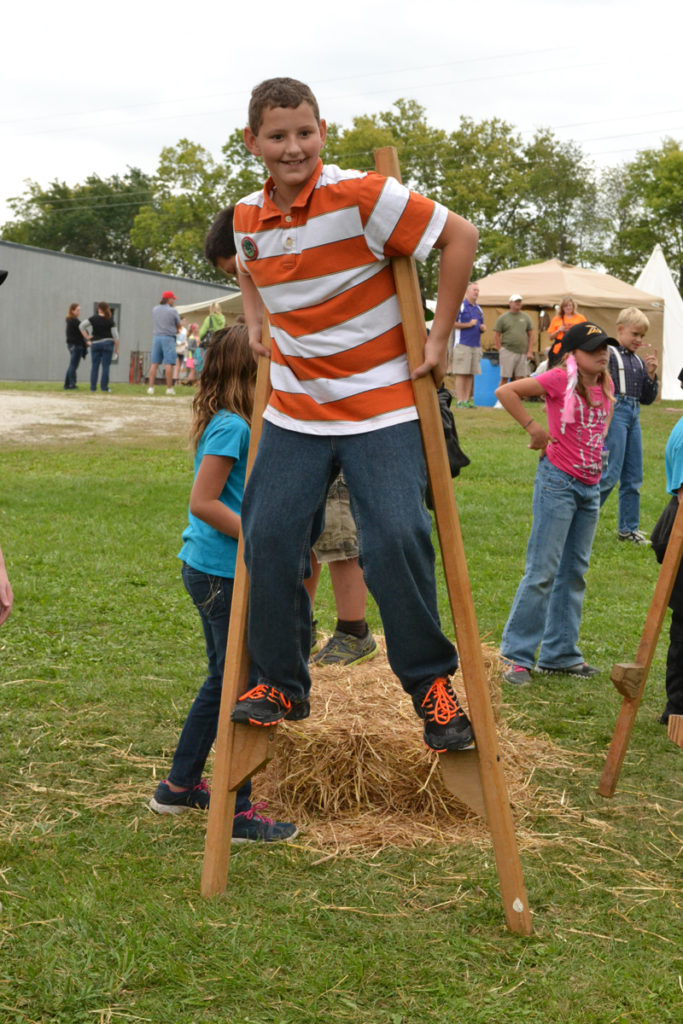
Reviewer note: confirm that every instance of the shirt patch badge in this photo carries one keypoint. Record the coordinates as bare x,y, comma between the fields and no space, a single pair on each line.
249,248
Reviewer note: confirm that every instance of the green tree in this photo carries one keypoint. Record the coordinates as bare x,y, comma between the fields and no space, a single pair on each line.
560,200
484,182
170,229
646,206
92,219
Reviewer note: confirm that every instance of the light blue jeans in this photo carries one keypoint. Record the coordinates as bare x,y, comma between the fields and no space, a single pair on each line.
549,600
624,442
283,516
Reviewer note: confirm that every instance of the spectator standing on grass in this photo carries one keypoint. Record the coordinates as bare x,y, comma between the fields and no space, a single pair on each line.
221,417
103,337
635,384
181,341
466,359
673,461
565,318
548,604
514,337
166,321
77,344
215,321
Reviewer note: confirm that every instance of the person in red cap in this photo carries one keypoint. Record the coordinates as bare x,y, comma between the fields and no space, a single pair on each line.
166,322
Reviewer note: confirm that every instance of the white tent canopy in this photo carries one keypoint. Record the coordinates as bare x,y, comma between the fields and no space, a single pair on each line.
231,307
656,277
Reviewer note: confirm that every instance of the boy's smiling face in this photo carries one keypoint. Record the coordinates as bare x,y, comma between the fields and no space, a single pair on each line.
289,142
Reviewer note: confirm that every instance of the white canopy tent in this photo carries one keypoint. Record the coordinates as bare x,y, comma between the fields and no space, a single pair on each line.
231,307
656,277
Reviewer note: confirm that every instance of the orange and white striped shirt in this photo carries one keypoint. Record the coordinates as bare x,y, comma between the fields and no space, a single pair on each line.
338,359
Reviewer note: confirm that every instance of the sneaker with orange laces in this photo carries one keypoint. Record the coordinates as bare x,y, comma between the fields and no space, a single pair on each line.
264,705
447,727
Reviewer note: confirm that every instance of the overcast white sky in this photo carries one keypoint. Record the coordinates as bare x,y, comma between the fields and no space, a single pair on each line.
95,89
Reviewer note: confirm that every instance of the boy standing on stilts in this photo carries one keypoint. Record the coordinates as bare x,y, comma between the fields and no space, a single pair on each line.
314,249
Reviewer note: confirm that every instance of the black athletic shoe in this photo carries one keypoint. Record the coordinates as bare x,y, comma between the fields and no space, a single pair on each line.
165,801
447,727
264,705
582,670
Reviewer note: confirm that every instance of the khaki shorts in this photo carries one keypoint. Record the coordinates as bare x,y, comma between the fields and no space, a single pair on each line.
339,539
466,359
513,364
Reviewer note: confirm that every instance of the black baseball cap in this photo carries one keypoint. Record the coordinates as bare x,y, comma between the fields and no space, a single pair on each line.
586,336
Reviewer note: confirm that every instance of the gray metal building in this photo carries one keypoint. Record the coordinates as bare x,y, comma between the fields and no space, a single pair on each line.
42,284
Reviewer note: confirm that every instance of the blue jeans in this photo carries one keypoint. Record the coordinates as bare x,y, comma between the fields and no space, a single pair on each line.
625,445
549,600
75,356
212,596
100,355
282,517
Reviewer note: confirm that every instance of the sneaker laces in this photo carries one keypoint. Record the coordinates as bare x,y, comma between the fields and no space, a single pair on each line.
443,705
253,813
264,691
202,786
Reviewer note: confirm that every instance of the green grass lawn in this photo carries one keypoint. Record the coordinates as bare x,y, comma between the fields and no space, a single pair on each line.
101,919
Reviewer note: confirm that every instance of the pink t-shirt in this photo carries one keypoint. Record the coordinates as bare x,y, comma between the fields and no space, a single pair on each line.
576,447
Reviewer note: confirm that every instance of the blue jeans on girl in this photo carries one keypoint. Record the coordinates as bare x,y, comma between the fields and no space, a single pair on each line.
549,600
75,356
283,516
100,355
212,597
624,442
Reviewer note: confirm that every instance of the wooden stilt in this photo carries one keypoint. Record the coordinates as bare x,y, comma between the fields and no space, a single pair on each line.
675,729
490,769
240,750
630,679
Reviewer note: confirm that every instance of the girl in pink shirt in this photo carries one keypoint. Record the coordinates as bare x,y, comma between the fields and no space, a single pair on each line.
566,505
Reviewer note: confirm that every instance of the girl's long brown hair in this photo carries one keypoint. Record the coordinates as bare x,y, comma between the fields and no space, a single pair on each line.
74,306
227,380
103,307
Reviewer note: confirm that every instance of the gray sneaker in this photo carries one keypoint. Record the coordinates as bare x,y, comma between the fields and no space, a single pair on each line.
345,649
518,675
634,536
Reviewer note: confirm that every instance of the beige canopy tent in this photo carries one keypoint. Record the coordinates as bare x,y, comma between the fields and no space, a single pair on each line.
231,308
542,286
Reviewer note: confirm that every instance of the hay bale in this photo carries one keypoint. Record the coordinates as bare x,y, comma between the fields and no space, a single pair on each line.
357,775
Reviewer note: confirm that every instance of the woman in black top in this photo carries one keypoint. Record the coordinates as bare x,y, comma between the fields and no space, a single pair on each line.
104,341
76,343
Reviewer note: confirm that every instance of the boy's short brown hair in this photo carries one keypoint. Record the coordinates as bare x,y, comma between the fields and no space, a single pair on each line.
279,92
633,317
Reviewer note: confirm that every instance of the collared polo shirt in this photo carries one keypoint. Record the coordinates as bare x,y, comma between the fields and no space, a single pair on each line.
338,359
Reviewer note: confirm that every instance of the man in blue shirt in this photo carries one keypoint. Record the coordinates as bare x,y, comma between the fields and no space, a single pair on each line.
467,347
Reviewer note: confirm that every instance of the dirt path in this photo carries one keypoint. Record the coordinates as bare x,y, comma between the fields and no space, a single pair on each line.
41,417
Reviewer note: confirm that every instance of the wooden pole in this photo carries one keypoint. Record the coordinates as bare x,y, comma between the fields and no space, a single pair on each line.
630,679
498,812
240,749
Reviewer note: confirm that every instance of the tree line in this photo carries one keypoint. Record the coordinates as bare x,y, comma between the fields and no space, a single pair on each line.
531,201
